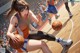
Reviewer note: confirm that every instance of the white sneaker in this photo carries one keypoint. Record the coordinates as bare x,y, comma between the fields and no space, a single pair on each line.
56,16
65,44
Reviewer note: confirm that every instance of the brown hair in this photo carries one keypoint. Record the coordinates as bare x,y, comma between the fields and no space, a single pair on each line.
18,6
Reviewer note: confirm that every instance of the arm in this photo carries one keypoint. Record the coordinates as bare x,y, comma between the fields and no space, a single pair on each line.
11,28
43,7
35,19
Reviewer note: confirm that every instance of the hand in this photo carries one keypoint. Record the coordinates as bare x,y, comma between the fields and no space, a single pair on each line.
14,38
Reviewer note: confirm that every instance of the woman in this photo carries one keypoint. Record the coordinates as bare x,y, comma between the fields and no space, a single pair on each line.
51,8
20,24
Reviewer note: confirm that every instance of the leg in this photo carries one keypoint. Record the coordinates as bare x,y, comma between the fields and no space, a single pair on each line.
36,44
38,35
68,9
41,35
52,10
56,16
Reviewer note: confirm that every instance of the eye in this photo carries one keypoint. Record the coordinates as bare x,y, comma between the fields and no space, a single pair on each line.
22,10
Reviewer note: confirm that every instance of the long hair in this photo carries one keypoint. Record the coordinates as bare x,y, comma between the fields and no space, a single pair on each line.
18,6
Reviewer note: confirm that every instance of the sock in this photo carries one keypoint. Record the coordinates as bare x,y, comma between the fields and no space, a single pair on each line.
58,39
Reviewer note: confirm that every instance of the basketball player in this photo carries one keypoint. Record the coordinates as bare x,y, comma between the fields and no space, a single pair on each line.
42,11
51,8
67,8
20,24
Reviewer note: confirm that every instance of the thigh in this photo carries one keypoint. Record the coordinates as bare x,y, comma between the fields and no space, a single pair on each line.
30,45
33,45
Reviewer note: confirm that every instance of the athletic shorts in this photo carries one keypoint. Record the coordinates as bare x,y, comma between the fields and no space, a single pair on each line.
23,49
52,9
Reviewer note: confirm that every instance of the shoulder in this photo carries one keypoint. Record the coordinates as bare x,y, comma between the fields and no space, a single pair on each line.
13,19
30,12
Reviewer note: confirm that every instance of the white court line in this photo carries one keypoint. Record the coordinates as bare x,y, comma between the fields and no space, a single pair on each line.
74,44
5,7
71,28
70,36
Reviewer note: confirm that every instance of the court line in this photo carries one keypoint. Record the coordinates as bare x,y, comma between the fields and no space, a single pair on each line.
74,44
71,29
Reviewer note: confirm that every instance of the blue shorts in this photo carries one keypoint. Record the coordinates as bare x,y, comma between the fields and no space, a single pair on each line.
24,46
52,9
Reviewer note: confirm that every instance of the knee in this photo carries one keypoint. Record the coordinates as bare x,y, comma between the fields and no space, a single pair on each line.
43,44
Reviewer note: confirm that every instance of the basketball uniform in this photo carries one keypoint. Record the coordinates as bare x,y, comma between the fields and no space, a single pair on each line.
51,8
25,34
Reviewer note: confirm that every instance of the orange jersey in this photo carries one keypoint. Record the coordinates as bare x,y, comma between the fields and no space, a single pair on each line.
50,2
25,32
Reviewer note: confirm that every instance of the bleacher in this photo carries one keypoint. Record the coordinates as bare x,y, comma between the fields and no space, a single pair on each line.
2,2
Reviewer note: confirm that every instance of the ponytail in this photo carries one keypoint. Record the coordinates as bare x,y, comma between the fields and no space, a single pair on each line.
17,6
12,10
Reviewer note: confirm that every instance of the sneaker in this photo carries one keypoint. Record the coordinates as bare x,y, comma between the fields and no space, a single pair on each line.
56,16
65,44
49,20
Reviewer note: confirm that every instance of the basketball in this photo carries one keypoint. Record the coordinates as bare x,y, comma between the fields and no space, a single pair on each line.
57,25
17,45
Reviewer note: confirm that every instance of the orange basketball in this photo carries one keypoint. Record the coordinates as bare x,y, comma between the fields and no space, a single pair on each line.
57,25
17,45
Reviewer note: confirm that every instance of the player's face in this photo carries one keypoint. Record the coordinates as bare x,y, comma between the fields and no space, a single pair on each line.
24,12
